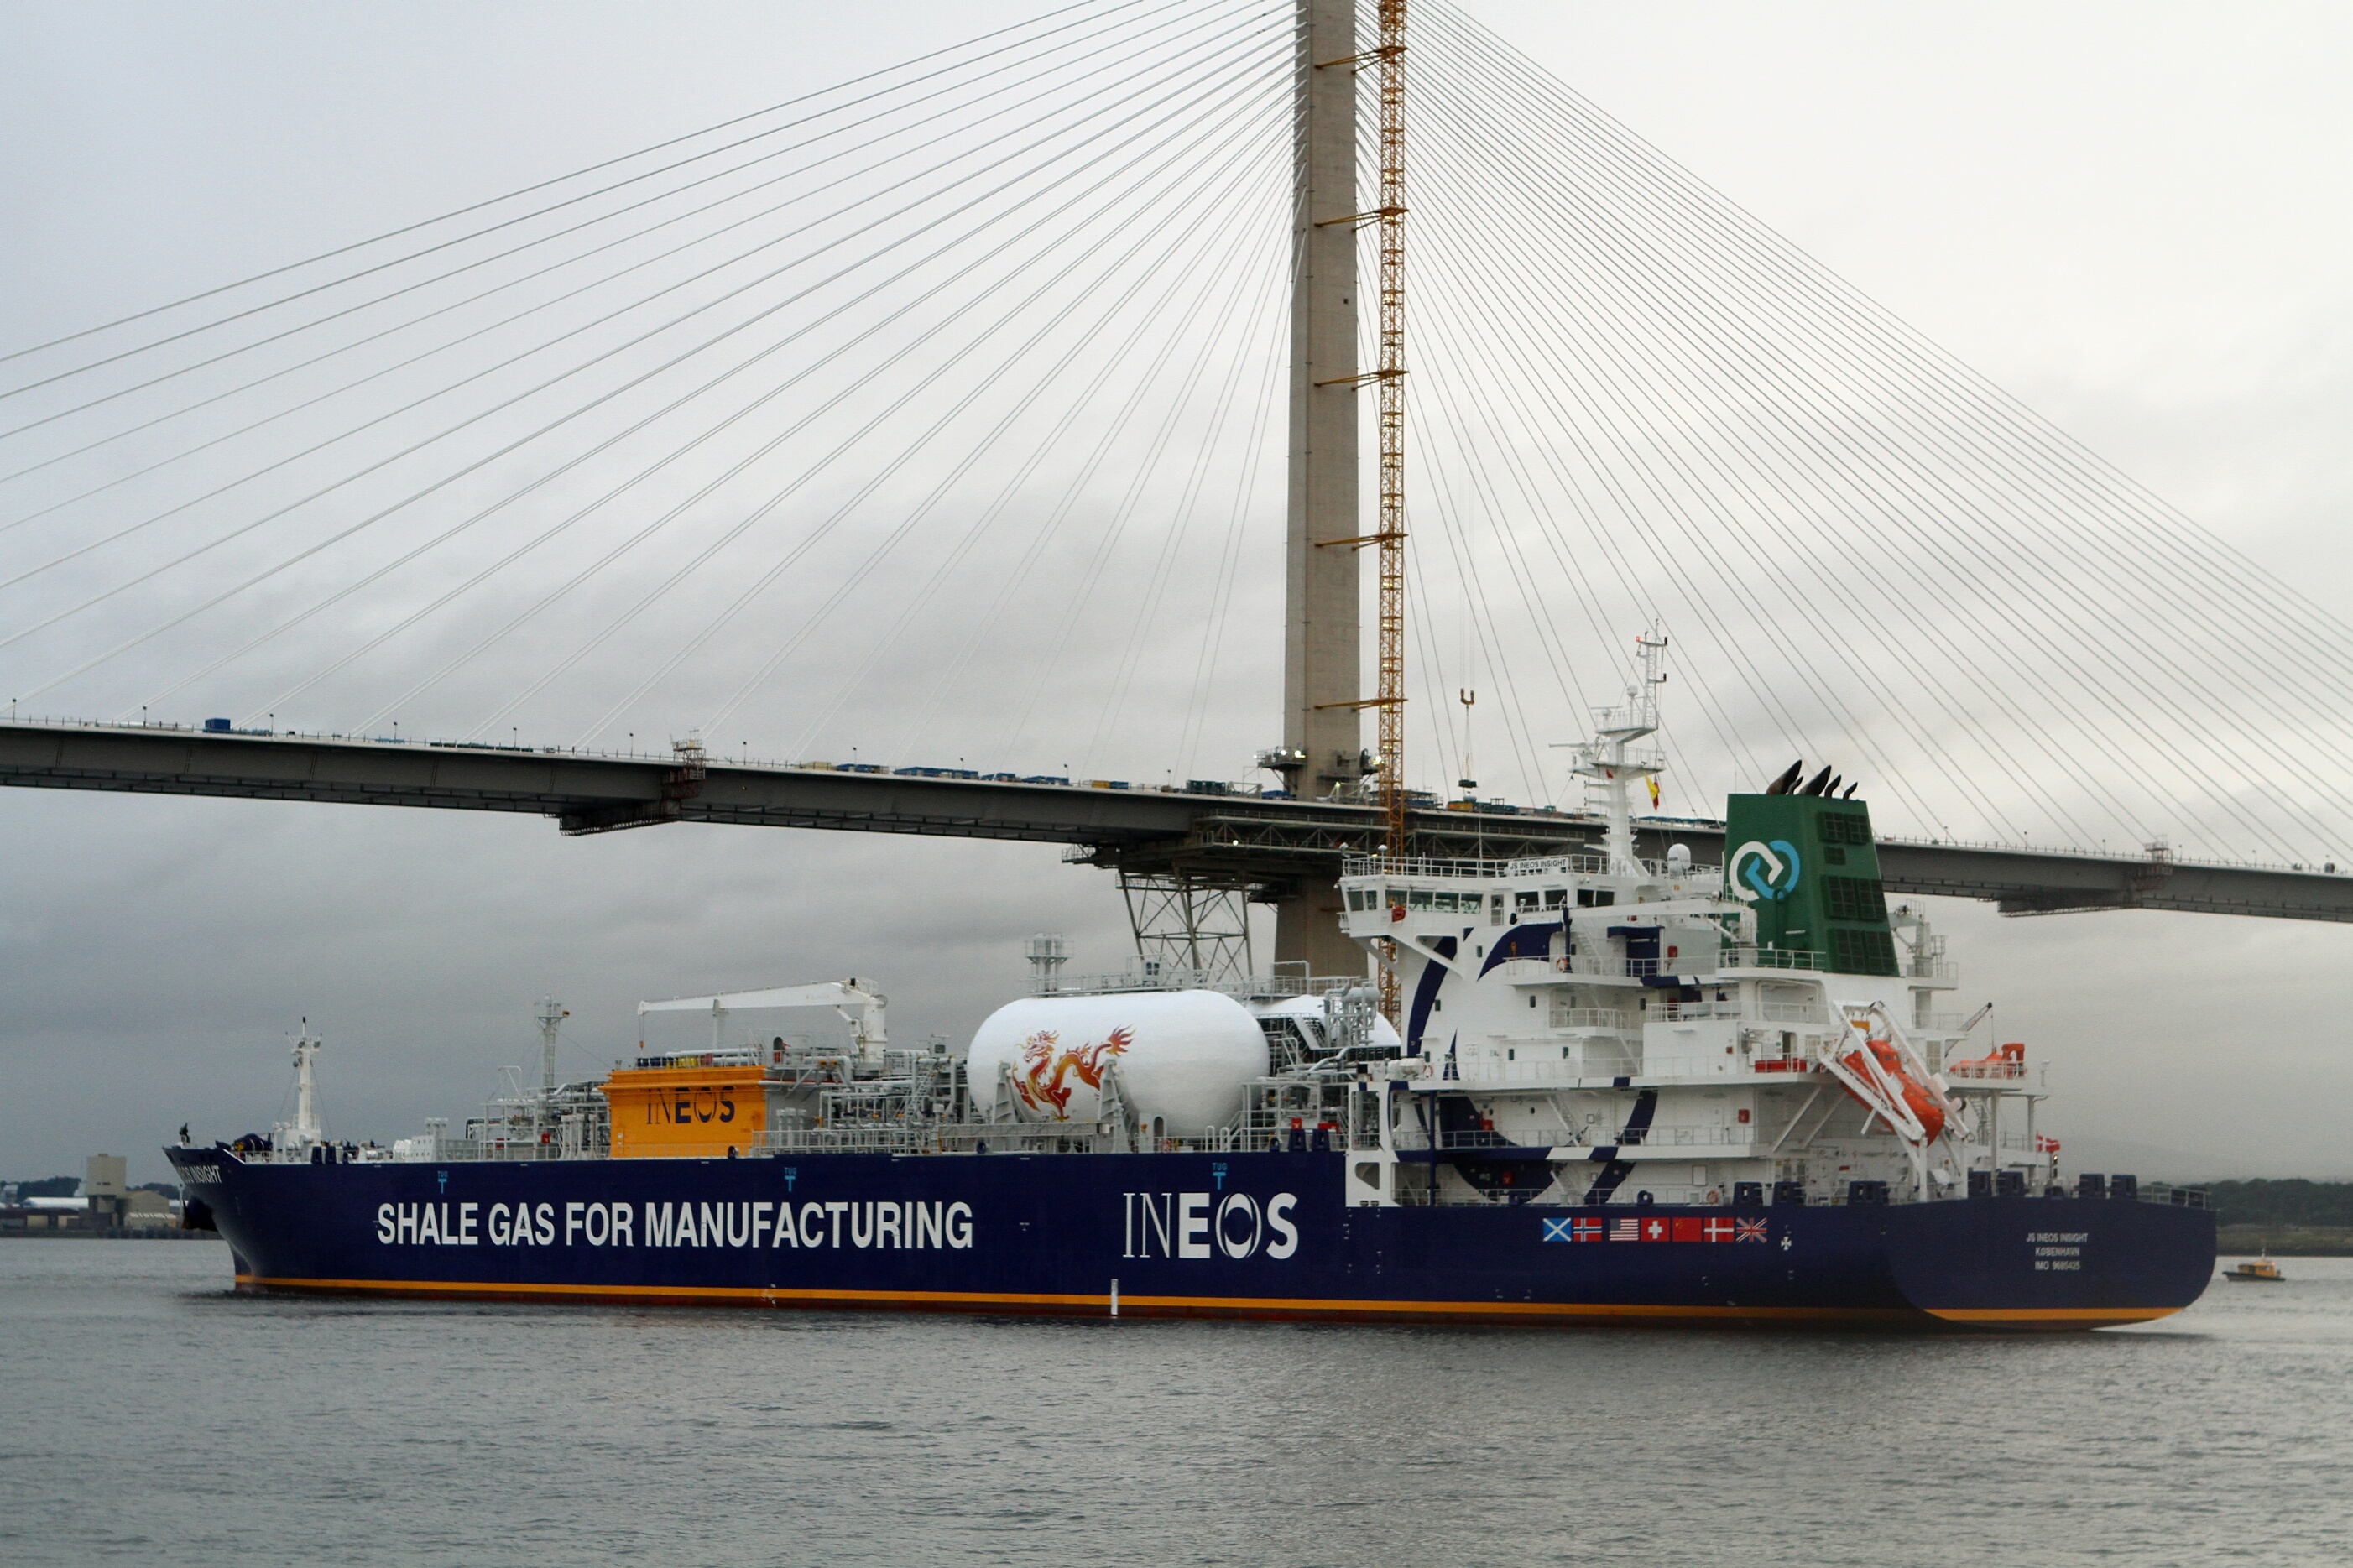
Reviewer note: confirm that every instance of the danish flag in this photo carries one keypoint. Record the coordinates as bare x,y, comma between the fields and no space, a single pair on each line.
1749,1230
1626,1230
1715,1230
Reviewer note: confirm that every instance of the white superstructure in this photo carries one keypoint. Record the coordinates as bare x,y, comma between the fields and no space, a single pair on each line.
1605,1028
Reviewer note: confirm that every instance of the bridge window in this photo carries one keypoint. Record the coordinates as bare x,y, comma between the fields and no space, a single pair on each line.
1524,900
1421,898
1555,897
1356,898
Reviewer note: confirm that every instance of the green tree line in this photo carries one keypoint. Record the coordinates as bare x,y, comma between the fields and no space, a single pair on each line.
2296,1202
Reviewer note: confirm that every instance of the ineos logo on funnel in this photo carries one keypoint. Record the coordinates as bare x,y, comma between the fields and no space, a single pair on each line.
1206,1224
1760,869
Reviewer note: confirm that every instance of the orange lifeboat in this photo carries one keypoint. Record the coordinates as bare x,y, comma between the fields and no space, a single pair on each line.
1927,1106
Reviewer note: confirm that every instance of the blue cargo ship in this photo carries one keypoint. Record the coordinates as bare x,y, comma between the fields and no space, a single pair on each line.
1615,1090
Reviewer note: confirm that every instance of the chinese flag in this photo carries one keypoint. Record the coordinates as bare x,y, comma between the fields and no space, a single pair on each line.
1687,1228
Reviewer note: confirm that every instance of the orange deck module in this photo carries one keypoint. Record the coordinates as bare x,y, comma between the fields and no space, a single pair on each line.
686,1111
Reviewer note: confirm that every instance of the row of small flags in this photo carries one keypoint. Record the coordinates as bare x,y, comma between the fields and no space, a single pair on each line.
1642,1228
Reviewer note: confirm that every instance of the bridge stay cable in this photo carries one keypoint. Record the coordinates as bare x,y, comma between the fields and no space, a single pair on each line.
491,202
879,131
503,451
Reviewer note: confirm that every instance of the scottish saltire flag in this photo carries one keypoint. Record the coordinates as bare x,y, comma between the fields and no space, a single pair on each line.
1557,1230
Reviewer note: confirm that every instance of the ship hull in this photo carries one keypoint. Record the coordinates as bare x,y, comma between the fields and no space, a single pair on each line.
1244,1235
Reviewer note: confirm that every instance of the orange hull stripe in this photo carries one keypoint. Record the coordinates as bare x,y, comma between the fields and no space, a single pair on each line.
1261,1304
2051,1314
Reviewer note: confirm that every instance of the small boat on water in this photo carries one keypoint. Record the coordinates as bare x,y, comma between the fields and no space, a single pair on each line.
2256,1268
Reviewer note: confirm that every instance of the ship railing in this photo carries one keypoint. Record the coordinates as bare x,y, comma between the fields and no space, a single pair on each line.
945,1138
1553,1203
1470,1139
1744,955
1575,865
516,1149
2000,1068
1248,987
1932,969
1593,1018
1767,1013
1588,1069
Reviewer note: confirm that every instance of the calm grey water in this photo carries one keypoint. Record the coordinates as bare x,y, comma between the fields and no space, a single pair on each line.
146,1415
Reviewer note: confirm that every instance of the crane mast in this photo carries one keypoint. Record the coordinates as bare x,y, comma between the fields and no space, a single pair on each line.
1391,700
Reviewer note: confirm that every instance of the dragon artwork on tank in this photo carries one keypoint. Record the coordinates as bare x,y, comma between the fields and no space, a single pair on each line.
1047,1067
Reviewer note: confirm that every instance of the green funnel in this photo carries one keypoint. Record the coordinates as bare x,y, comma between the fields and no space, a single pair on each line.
1808,869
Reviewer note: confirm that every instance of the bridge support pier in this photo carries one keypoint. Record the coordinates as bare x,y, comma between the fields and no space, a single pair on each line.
1307,930
1323,680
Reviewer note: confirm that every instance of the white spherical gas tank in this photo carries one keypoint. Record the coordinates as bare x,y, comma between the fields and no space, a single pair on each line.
1184,1057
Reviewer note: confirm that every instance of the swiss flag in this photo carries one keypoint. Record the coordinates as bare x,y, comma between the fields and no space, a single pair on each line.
1716,1229
1687,1228
1654,1230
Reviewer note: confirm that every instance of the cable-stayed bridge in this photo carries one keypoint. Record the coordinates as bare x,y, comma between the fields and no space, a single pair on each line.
978,413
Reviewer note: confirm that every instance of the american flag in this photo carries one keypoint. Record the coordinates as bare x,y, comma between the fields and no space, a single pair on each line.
1749,1230
1627,1229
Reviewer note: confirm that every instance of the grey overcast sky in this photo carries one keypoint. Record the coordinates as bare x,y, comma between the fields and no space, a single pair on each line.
2129,215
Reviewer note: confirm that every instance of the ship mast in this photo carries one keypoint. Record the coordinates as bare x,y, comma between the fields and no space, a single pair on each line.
551,1024
1609,769
306,1087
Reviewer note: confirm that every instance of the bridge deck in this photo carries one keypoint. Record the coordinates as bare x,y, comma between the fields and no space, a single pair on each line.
1272,845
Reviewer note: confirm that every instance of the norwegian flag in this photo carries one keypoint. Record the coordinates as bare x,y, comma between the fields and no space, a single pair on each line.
1654,1230
1749,1230
1626,1230
1584,1230
1715,1230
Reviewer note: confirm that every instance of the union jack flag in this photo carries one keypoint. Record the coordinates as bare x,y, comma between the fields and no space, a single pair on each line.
1716,1230
1626,1230
1749,1230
